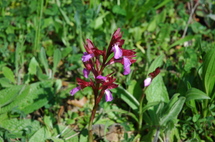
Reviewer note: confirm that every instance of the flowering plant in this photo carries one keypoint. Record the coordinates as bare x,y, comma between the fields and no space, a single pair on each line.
95,61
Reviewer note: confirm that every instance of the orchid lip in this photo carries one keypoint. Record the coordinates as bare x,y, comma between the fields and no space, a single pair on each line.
117,51
108,95
75,90
86,57
86,73
101,77
127,65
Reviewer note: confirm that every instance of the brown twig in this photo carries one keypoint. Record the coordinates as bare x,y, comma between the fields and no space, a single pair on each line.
190,18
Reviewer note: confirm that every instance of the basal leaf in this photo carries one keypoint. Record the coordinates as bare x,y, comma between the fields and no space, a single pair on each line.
7,72
39,95
41,135
9,94
17,99
208,72
5,83
18,127
196,94
41,75
127,97
32,69
44,60
173,112
57,58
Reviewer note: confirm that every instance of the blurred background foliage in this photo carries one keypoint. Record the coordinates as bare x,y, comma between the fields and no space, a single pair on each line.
41,44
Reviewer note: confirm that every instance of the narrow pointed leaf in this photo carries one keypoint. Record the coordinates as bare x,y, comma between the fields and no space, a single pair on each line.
127,97
173,112
44,60
196,94
208,72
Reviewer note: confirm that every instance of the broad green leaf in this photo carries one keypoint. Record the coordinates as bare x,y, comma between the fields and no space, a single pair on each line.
99,20
41,135
181,41
196,117
41,75
164,33
57,58
5,82
208,72
134,88
48,121
9,94
83,136
39,95
3,116
32,69
157,91
119,10
66,51
18,127
173,112
158,62
58,84
191,59
7,72
44,60
127,97
17,100
152,25
196,94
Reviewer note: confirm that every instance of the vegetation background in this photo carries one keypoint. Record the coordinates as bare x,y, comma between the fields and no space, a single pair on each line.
41,45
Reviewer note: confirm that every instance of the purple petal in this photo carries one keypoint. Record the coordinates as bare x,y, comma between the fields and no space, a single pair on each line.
103,78
147,81
86,73
87,57
127,65
108,95
74,90
117,51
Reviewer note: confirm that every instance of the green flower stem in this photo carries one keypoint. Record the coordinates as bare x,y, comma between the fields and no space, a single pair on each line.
137,138
141,111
